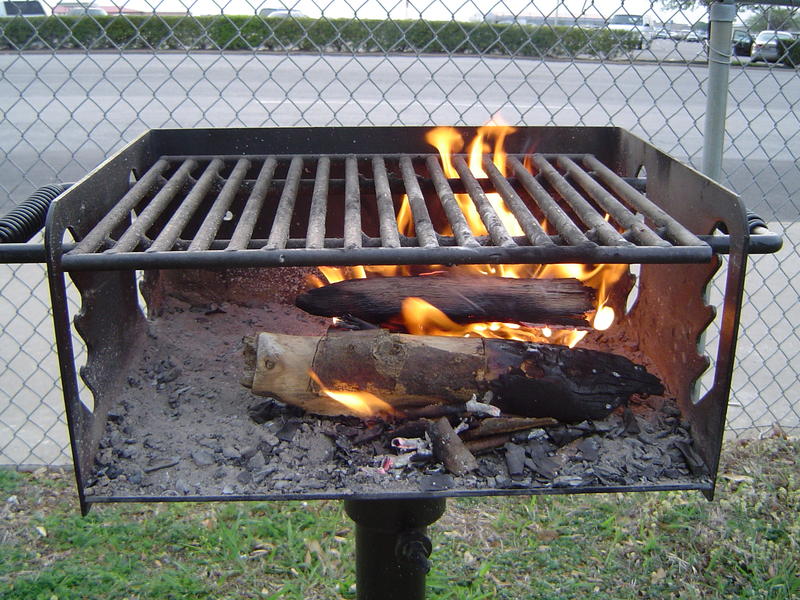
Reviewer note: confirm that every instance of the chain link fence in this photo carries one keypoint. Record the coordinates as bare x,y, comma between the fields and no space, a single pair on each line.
78,84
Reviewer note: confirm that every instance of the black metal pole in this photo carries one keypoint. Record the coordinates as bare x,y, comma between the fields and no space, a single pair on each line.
392,547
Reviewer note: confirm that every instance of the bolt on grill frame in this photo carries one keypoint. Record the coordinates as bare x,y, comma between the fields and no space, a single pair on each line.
683,206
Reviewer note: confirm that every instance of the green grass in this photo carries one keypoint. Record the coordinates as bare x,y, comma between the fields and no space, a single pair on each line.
9,481
745,544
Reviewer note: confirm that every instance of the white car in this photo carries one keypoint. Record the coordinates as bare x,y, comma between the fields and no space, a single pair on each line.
634,24
92,11
280,13
773,46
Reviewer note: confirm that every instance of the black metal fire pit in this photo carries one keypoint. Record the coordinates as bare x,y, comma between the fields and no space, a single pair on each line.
226,224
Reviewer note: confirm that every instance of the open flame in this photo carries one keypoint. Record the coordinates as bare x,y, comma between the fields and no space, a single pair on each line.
362,404
420,317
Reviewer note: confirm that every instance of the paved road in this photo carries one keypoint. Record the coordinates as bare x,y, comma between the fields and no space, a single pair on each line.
65,112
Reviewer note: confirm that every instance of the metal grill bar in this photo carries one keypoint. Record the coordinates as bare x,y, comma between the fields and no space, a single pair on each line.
134,234
764,244
174,227
458,223
208,229
383,195
283,216
674,230
605,232
570,191
304,257
611,205
550,208
528,223
352,205
494,225
122,209
315,236
247,222
419,211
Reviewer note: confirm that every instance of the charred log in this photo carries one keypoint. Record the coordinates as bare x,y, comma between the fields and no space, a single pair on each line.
568,384
463,299
530,380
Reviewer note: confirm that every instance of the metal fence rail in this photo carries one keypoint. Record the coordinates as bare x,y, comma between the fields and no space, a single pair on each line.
71,98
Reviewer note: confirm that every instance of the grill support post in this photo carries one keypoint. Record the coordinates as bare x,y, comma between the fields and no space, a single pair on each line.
719,65
392,547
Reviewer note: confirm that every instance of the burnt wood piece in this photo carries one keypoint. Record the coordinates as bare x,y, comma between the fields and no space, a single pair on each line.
464,299
530,380
568,384
448,448
435,410
487,443
492,426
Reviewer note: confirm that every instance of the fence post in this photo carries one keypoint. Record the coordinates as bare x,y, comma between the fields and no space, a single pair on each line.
719,64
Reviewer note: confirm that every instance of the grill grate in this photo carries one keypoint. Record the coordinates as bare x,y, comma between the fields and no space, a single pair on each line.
310,210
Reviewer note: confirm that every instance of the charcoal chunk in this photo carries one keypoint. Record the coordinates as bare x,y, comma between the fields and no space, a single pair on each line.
544,466
135,475
265,411
568,481
287,432
203,458
630,422
515,460
563,435
692,458
249,452
589,448
436,482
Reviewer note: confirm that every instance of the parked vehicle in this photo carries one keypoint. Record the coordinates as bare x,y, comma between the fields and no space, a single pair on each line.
280,13
663,33
87,10
633,24
679,35
24,8
742,43
692,36
776,46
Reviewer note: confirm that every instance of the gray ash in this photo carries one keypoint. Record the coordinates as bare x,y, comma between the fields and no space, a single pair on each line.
185,427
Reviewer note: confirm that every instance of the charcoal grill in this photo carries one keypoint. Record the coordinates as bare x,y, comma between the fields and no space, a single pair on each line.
221,208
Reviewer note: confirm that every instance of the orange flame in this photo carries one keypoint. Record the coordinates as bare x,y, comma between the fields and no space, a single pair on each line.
361,404
420,317
448,142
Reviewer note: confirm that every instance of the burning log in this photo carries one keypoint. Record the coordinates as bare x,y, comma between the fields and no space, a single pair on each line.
367,372
463,299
